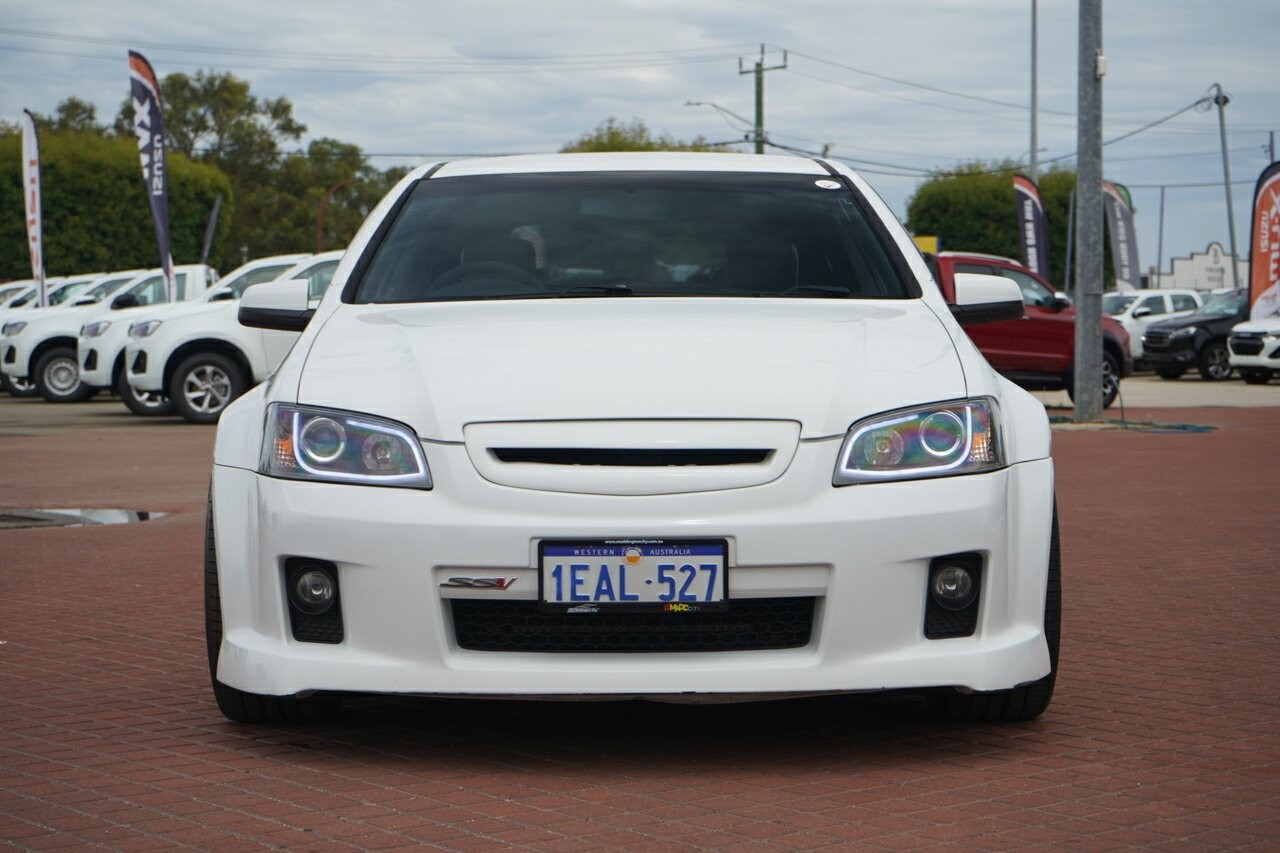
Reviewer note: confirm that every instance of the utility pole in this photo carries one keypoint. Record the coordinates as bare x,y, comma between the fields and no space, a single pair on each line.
759,70
1089,212
1222,99
1035,166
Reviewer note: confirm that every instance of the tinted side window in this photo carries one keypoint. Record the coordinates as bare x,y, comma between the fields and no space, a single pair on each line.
1184,302
1155,303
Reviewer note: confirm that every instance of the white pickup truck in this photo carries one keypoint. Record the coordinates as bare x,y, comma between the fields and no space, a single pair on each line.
43,349
100,346
200,355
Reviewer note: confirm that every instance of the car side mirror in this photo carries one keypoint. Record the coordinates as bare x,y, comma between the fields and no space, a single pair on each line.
1139,313
1060,301
124,300
985,299
279,305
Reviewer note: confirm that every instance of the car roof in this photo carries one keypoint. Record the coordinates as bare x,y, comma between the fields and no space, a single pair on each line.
980,255
667,161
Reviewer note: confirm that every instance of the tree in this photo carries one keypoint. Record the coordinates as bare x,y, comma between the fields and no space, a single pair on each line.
73,114
94,207
212,117
972,208
613,135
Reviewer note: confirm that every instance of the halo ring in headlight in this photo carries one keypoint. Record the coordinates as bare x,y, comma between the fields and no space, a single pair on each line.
942,434
322,440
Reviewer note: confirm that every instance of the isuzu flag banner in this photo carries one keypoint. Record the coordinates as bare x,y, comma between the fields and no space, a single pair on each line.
31,199
1264,246
1124,242
1031,226
148,125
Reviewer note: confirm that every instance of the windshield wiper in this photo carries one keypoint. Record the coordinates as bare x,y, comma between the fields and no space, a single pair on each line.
812,290
617,288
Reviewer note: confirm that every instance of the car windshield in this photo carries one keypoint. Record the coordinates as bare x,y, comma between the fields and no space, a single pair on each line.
1116,303
631,233
100,291
1224,304
258,275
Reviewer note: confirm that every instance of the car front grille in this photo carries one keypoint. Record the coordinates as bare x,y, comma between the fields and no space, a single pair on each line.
750,624
1246,344
1156,338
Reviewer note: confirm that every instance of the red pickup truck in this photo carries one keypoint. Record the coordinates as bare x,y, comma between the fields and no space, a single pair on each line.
1037,351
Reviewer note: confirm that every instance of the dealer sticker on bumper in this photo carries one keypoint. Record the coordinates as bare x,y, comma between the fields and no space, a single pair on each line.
674,575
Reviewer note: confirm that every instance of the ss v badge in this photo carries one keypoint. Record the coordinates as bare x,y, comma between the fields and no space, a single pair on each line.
480,583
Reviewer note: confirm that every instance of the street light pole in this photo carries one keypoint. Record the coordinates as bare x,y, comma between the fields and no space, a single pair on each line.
1221,99
1089,212
1035,168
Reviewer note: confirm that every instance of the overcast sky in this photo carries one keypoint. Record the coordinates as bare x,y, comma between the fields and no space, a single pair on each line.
896,88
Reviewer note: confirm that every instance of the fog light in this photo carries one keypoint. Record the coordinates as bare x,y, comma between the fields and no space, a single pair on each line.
313,591
953,586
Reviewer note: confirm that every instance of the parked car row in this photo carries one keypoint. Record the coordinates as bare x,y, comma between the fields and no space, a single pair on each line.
81,343
1036,351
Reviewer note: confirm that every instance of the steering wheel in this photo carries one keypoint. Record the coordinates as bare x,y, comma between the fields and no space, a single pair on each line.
488,271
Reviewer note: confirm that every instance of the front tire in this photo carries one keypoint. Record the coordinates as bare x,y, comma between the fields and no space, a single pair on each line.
1030,700
204,384
57,377
145,403
237,705
1255,375
1215,362
1170,372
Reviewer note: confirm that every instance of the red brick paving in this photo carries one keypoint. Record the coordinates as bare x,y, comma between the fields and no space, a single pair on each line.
1163,734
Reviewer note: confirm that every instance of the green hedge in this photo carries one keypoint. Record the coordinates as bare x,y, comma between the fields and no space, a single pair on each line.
95,212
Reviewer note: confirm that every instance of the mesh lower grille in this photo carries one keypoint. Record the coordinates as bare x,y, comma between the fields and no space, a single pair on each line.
754,624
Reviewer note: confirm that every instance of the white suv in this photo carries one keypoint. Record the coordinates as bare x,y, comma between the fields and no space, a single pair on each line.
1137,309
44,349
100,347
65,297
1255,349
202,358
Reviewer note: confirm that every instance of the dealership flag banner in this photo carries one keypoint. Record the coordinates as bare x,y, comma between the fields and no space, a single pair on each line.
1264,245
148,125
1035,241
31,198
1124,243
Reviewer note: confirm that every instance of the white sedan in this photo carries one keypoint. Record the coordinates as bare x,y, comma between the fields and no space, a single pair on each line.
676,427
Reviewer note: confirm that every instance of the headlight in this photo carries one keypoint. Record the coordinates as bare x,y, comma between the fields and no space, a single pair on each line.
13,328
93,330
301,443
144,329
1182,333
940,440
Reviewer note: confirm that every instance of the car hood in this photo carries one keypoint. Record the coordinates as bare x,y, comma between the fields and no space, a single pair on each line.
1192,320
1267,325
823,363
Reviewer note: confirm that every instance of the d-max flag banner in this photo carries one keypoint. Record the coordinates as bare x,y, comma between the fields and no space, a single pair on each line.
1264,245
31,199
1031,225
148,125
1124,243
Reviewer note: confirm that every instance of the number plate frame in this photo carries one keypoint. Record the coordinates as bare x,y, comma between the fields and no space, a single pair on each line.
633,583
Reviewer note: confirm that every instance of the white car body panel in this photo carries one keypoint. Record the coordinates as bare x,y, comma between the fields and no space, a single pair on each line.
791,374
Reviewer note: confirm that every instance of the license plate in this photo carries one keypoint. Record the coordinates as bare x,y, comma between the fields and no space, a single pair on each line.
672,575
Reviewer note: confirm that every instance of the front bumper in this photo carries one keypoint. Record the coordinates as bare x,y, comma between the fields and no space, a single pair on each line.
144,370
1255,350
862,552
1179,352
